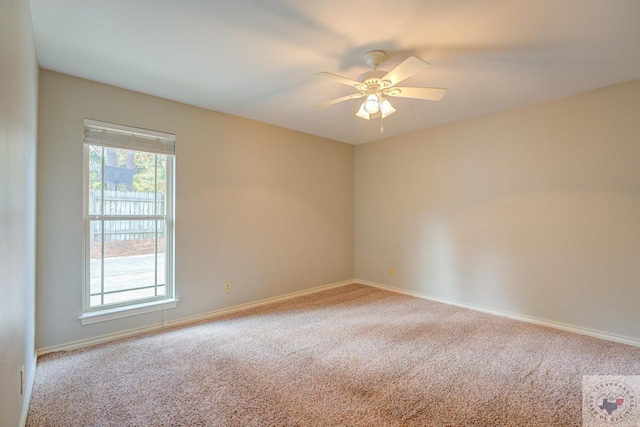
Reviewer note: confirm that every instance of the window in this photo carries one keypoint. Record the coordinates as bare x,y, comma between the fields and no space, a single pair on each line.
128,221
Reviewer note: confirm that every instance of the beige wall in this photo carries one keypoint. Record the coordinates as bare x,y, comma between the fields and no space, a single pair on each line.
18,109
267,208
534,211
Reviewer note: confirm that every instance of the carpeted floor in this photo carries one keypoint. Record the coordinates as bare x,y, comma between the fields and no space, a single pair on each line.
349,356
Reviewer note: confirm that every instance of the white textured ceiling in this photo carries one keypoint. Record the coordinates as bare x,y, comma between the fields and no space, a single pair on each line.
256,58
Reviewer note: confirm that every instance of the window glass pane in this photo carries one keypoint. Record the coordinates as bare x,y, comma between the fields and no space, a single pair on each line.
119,168
162,255
95,301
130,260
95,179
128,295
150,180
95,262
131,181
161,184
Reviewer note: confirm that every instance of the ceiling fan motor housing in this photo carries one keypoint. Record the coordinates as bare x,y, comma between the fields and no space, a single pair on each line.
374,58
371,77
372,83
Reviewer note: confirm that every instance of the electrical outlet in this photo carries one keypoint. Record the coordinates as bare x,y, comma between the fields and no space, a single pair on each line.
227,286
392,271
22,380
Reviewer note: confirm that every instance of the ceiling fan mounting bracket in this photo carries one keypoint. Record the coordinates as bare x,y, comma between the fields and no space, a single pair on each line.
373,58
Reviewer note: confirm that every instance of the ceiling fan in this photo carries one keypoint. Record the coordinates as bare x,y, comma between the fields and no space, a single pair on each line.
377,85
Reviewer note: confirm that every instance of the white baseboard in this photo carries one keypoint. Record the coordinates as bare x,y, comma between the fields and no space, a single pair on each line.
259,303
73,345
543,322
216,313
191,319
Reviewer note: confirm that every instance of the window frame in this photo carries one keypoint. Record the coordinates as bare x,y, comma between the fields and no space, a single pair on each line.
141,305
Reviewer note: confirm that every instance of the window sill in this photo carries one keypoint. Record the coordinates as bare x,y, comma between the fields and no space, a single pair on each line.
130,310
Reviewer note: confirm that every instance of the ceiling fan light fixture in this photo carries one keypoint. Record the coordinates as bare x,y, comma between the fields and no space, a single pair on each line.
362,113
386,109
376,85
372,104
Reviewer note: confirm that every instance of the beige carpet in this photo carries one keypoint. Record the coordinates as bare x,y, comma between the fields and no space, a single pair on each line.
350,356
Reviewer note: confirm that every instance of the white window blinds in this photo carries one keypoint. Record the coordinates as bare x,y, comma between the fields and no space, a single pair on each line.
129,138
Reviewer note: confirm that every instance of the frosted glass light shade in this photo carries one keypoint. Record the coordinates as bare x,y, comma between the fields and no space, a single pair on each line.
386,108
372,104
362,113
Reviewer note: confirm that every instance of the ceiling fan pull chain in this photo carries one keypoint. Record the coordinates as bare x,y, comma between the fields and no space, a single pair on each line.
381,126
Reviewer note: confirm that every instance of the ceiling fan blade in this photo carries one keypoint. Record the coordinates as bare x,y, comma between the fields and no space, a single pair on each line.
340,79
428,93
344,98
405,69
